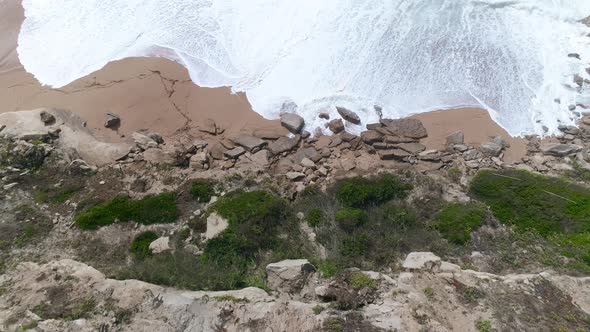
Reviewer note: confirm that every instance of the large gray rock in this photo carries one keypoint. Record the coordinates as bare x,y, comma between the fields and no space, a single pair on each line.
289,276
348,115
560,150
293,122
249,143
160,245
216,224
283,144
412,128
456,138
491,149
418,261
47,118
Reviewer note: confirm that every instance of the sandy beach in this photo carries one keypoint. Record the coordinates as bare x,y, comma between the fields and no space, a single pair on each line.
156,93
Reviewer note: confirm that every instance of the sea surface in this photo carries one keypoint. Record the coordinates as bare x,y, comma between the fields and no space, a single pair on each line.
307,56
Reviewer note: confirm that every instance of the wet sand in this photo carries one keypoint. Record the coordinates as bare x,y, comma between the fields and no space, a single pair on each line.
156,93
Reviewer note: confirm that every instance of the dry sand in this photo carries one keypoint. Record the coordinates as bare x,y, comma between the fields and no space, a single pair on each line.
156,93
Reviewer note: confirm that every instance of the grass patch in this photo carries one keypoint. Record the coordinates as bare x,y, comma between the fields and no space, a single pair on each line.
318,309
56,195
29,326
349,218
359,280
140,246
457,220
429,293
315,217
362,192
202,191
149,210
483,326
83,310
230,298
546,204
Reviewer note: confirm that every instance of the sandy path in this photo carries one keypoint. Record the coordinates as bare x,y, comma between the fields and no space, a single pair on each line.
156,93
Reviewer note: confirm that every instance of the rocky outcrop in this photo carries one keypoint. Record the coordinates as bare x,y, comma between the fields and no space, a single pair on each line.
289,276
411,128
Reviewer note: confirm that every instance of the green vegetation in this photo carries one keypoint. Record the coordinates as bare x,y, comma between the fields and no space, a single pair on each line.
456,221
349,218
315,217
333,325
318,309
29,326
483,326
230,298
237,257
455,174
359,280
361,192
83,310
429,293
30,227
140,247
56,195
529,201
202,190
149,210
578,172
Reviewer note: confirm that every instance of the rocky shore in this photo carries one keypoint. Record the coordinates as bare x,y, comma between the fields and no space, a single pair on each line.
60,277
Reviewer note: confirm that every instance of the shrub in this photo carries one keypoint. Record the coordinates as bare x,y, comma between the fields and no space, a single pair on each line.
349,218
483,326
140,247
149,210
315,217
456,221
455,174
355,246
529,201
361,192
202,191
318,309
359,280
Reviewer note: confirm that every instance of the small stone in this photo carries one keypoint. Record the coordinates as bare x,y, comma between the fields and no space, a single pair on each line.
235,153
307,163
349,115
293,122
295,176
336,126
112,121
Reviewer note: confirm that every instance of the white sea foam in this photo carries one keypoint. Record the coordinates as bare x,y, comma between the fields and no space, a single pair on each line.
407,56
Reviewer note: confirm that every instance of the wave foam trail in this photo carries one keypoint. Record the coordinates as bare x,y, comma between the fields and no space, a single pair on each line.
407,56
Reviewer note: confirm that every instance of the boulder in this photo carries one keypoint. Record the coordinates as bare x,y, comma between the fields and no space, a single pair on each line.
347,137
144,142
208,126
413,148
422,261
79,166
199,144
293,122
336,126
283,144
490,149
160,245
456,138
267,133
307,163
249,143
155,136
235,153
289,276
261,158
324,116
47,118
199,161
371,136
216,224
395,154
412,128
349,115
560,150
158,156
112,121
586,120
217,151
471,154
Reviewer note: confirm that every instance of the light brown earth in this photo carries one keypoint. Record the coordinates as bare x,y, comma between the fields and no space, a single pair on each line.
156,93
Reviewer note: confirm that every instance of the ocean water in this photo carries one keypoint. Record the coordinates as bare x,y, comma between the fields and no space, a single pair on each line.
308,56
